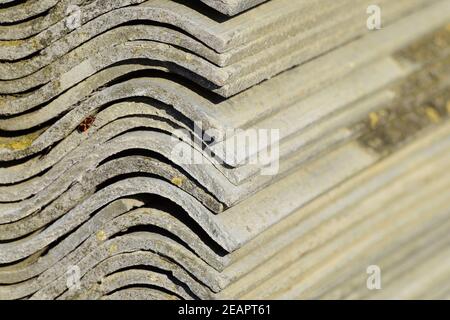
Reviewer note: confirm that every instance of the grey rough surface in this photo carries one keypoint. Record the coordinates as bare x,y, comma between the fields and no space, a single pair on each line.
88,176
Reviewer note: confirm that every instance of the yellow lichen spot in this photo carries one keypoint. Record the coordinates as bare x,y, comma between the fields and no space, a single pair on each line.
35,44
432,114
374,119
11,43
440,41
101,236
448,107
448,27
113,249
178,181
21,144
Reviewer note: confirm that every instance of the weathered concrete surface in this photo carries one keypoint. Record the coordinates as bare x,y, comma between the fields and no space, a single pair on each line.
363,152
225,81
232,7
289,244
25,10
44,12
413,156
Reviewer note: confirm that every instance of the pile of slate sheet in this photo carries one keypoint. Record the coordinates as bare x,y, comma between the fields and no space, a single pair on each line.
98,96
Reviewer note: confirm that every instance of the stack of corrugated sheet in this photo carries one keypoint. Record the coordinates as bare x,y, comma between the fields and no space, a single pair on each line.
98,98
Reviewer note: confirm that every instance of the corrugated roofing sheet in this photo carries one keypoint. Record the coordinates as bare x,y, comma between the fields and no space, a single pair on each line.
97,98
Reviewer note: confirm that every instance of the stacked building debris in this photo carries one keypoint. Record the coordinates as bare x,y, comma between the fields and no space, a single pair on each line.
122,175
